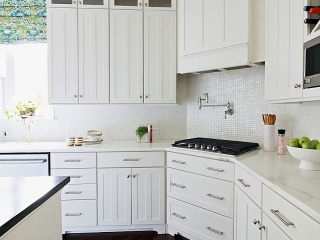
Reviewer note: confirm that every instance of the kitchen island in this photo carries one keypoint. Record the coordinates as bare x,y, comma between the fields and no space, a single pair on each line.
30,207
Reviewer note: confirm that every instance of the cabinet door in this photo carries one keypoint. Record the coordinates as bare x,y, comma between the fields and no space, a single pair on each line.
93,4
93,25
246,212
148,196
126,4
62,3
126,56
62,55
284,49
114,196
271,230
160,57
160,4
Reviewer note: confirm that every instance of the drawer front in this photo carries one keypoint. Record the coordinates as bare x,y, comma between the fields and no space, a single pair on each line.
131,159
284,212
79,191
204,166
77,176
78,213
198,222
209,193
249,185
73,160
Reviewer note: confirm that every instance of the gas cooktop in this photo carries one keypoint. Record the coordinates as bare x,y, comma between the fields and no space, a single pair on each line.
217,145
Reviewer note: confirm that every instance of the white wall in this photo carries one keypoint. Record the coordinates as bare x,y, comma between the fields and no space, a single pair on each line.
243,88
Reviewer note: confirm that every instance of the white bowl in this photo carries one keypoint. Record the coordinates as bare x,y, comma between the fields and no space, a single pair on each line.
94,133
94,138
310,158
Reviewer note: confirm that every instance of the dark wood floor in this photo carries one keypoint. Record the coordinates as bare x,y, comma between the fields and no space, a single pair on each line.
151,235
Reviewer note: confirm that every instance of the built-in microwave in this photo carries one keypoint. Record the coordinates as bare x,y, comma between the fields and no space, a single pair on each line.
311,63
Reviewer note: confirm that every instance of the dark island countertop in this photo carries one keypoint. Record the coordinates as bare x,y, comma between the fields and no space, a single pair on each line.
19,196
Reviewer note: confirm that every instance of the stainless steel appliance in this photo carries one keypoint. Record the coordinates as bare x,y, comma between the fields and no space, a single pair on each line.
311,77
24,164
228,147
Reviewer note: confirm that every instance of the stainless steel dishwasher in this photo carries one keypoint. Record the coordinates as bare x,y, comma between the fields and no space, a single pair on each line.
24,164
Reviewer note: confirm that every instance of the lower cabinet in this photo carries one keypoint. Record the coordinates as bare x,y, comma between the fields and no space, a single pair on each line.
131,196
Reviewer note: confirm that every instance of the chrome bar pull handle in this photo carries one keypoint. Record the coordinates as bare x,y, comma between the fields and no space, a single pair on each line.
215,169
213,230
180,162
75,192
75,176
243,183
178,216
213,196
72,160
177,185
72,214
131,159
277,214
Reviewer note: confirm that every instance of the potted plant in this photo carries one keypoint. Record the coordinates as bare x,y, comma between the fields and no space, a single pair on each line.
141,131
23,109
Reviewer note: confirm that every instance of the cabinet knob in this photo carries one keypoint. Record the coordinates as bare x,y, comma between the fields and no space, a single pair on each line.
128,176
80,96
80,2
75,96
297,86
74,2
140,4
255,221
261,227
146,4
146,96
140,96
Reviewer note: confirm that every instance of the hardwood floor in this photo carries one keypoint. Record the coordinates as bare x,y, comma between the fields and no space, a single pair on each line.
151,235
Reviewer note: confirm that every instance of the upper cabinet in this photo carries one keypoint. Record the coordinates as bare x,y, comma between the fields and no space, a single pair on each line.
285,37
142,53
78,3
143,4
219,34
78,53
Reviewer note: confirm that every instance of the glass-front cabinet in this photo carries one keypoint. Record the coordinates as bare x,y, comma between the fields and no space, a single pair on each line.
143,4
78,3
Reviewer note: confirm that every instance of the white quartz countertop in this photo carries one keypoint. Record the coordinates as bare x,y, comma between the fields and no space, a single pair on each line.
279,172
61,146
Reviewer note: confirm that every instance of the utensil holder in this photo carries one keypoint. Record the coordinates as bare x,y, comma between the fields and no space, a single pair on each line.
269,138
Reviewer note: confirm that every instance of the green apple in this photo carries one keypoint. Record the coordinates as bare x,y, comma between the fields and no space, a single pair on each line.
294,143
303,139
295,139
318,146
315,142
308,145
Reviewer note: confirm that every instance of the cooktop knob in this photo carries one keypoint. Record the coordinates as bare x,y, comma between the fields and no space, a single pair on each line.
203,146
190,145
197,145
209,147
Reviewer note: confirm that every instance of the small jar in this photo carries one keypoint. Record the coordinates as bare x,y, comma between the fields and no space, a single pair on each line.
281,142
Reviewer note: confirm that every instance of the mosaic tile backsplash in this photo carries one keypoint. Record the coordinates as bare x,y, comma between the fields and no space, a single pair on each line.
243,88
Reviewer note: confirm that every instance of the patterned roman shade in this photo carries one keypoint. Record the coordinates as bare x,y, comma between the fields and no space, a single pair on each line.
22,21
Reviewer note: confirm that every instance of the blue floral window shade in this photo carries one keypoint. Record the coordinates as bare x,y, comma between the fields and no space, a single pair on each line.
22,21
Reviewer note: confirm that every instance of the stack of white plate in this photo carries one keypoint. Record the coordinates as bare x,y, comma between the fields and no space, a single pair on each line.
94,136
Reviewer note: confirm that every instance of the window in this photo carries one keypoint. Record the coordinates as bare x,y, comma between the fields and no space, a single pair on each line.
23,74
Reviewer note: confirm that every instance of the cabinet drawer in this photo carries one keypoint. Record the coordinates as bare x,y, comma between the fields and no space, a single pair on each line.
303,226
200,223
130,159
79,191
73,160
204,166
77,213
209,193
77,176
249,184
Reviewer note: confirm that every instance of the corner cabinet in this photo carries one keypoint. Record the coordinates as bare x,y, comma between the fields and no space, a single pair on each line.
142,64
216,34
78,51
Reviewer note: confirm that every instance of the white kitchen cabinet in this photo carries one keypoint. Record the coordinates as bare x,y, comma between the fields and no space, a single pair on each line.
78,3
284,49
131,196
143,4
142,65
271,231
246,217
78,55
126,56
216,34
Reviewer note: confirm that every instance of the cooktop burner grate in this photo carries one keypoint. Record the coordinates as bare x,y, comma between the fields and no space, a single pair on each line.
217,145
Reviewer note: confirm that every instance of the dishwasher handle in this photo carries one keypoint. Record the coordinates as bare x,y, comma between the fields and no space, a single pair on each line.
23,161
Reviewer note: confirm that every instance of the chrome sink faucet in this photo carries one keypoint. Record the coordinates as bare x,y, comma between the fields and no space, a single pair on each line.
4,134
